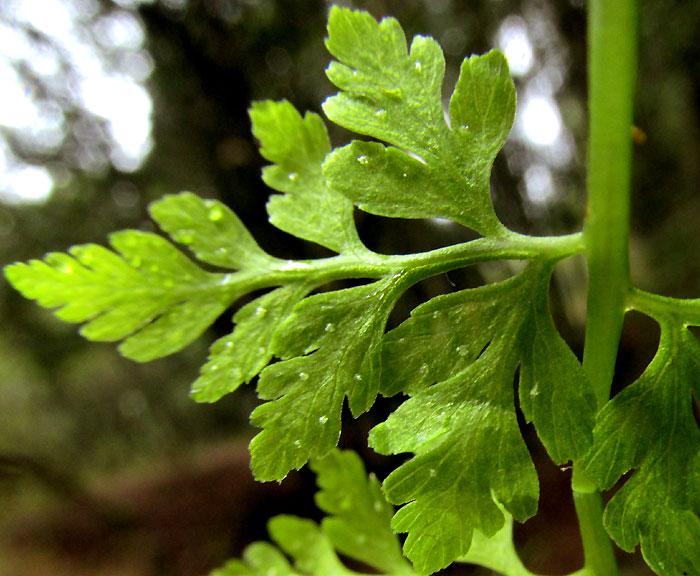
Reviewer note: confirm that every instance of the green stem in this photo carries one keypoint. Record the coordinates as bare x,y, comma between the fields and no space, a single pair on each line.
598,551
612,74
612,66
686,311
424,264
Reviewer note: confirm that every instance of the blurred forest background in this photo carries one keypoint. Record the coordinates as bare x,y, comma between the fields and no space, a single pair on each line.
106,466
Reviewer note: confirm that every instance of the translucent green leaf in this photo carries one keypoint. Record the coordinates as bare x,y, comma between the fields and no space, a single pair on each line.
298,145
210,229
467,443
649,428
389,182
303,540
498,552
359,525
331,346
394,95
457,356
443,337
386,92
238,357
460,421
147,292
482,106
259,559
554,391
176,327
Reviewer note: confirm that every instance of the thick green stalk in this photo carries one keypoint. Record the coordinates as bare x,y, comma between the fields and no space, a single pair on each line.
612,77
598,551
612,41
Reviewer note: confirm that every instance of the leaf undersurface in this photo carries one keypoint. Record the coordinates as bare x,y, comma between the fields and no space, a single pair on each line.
457,356
649,428
393,94
357,526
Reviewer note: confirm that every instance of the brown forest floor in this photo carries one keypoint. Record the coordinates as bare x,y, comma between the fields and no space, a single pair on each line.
184,519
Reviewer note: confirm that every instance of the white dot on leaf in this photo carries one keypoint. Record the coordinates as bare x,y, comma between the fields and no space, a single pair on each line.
215,213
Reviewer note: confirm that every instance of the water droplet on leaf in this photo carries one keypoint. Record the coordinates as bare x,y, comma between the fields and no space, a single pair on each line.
185,237
323,419
380,113
216,213
65,267
362,159
260,311
291,265
303,376
329,327
418,66
357,377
